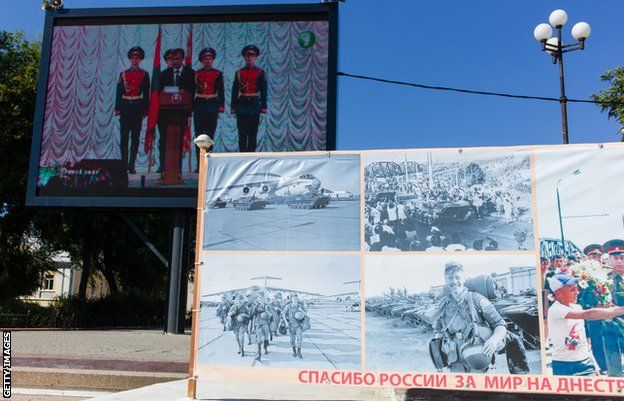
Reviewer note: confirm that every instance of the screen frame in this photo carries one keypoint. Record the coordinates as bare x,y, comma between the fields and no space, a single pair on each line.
292,12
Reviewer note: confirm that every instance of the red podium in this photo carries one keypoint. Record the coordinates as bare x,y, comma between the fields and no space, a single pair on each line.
175,108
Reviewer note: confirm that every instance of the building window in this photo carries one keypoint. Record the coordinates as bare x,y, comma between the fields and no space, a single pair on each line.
48,282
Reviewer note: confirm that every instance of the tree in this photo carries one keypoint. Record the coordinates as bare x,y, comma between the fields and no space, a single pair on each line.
611,100
95,241
23,257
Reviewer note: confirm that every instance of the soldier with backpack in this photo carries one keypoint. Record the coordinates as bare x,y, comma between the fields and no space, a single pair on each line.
469,330
297,321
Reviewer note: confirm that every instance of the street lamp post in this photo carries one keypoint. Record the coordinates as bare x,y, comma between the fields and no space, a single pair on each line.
555,47
563,244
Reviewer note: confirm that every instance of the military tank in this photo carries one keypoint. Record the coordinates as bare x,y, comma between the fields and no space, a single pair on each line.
249,203
522,318
315,201
218,204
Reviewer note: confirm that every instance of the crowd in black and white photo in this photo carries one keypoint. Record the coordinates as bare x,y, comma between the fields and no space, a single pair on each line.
473,208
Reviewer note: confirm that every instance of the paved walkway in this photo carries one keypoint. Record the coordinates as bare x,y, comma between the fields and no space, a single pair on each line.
148,350
214,391
135,345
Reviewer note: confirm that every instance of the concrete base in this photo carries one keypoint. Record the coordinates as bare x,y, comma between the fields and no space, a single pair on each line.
211,391
88,379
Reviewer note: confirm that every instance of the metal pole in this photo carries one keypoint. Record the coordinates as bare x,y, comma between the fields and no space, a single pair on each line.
563,99
174,282
563,244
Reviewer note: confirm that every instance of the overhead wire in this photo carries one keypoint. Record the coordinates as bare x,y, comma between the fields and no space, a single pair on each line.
462,90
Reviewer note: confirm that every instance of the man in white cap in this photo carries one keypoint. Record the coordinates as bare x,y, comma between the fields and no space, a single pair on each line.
566,327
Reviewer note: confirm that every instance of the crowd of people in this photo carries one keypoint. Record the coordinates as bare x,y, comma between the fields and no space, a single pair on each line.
259,319
396,205
586,338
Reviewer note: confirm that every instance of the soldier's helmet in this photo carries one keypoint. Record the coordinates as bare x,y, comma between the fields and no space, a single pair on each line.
474,357
136,50
242,317
250,48
264,316
299,315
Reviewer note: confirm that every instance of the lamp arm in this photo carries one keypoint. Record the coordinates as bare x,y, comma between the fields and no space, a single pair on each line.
576,46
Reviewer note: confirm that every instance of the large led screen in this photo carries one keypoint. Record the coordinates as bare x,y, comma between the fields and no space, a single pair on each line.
124,92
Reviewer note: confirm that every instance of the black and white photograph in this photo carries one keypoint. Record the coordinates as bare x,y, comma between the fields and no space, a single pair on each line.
296,203
280,311
448,201
463,313
581,233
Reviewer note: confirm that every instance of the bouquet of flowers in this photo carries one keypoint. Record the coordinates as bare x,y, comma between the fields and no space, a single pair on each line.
593,283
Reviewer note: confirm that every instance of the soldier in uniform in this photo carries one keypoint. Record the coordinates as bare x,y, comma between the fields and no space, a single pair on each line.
260,327
613,338
275,309
176,74
240,315
465,321
249,99
593,252
295,317
594,328
223,309
209,99
131,105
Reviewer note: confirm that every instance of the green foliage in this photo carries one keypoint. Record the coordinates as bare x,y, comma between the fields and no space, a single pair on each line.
611,100
29,237
130,303
10,306
131,309
22,256
114,247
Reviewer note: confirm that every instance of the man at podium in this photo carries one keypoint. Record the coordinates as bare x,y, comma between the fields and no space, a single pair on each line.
177,78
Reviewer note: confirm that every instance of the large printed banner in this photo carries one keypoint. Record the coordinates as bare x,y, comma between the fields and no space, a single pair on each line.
485,269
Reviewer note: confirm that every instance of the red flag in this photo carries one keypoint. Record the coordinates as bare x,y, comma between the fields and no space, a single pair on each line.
188,62
154,102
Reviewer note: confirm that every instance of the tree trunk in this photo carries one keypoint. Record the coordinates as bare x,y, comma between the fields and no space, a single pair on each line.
87,259
107,269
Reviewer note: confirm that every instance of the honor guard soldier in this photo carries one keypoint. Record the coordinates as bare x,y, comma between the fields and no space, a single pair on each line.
176,74
209,99
249,99
613,338
131,105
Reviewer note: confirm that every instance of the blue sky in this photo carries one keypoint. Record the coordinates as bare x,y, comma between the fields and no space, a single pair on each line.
483,45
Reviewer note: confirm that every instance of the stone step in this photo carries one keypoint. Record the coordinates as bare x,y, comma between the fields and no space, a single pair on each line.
92,379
